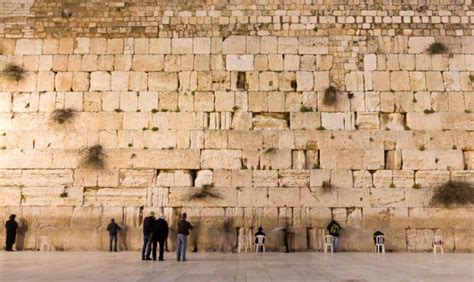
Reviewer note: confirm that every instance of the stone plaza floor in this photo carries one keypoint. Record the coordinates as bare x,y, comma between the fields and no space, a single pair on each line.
126,266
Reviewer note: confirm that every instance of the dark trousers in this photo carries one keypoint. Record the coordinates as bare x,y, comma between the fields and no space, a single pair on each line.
146,245
113,240
9,247
152,249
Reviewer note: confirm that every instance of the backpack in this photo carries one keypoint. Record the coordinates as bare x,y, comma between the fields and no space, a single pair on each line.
335,229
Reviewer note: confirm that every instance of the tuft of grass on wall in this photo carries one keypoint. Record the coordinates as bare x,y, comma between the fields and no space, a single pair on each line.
330,96
94,157
437,48
205,192
453,193
14,72
62,115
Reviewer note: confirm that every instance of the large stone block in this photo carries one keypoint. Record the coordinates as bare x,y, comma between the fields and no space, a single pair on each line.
227,159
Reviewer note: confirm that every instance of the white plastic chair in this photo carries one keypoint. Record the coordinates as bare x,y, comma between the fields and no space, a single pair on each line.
438,243
46,244
328,243
260,243
380,244
243,243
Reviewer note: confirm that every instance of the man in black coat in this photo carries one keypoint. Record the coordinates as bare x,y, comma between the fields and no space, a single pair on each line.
113,229
147,229
11,226
159,235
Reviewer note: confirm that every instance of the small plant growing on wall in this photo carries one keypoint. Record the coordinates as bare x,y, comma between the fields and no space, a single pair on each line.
14,72
327,186
453,193
62,115
437,48
305,109
94,157
205,192
330,96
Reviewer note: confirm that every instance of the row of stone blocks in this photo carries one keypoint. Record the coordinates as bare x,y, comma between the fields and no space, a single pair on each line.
367,104
206,45
405,229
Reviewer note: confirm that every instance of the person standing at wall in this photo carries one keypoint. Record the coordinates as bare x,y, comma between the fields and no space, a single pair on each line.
334,229
147,230
159,235
11,226
183,231
113,229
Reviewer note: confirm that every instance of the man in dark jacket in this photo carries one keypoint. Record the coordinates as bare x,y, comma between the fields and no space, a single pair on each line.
259,232
147,229
11,226
159,235
113,229
183,232
334,229
377,233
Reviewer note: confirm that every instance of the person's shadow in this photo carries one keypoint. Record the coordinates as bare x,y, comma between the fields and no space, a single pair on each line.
21,234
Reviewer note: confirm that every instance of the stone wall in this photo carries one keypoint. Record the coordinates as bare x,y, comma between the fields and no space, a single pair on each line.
229,98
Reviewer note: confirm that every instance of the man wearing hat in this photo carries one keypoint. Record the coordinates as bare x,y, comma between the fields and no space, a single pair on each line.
11,225
147,226
159,234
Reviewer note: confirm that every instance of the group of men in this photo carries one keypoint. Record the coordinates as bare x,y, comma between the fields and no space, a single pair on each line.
155,232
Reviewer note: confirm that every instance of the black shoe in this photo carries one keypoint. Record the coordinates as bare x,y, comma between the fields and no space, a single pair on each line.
115,251
143,258
148,259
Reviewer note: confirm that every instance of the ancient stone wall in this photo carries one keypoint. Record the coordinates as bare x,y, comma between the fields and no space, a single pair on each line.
280,113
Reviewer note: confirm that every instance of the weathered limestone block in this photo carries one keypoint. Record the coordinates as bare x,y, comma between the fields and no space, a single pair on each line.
288,197
234,45
367,120
182,45
362,179
43,177
100,81
167,159
293,178
353,197
313,45
420,239
387,197
10,196
309,121
419,44
431,179
351,159
403,178
318,177
161,81
136,178
241,178
227,159
28,46
265,178
203,178
269,121
420,197
418,159
341,178
252,197
239,62
275,159
52,196
115,197
240,139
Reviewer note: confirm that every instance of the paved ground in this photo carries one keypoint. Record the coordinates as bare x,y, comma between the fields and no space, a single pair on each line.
125,266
